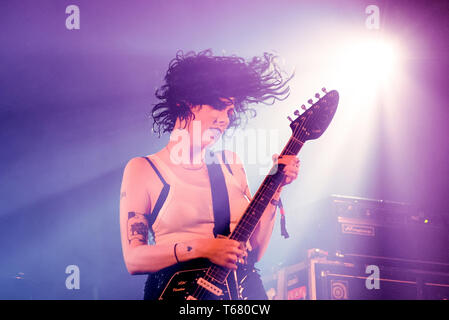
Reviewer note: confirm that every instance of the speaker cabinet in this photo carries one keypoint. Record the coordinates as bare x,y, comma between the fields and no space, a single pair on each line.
360,277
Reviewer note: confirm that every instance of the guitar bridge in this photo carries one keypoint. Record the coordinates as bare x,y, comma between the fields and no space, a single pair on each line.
209,287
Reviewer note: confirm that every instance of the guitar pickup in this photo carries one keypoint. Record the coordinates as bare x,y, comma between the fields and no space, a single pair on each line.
209,287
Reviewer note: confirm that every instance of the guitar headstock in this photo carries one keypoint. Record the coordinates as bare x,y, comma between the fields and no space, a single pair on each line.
312,123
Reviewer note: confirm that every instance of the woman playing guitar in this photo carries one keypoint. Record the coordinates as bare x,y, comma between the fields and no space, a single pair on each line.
168,194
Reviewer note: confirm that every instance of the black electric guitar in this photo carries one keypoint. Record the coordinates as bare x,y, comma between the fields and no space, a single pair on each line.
208,281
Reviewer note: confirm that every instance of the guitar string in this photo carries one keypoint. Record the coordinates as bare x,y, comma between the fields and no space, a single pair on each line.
262,190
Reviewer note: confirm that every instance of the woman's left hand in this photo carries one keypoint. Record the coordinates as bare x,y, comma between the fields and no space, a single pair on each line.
291,168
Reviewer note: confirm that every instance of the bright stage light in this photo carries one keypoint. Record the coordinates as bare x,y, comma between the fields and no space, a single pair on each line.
368,63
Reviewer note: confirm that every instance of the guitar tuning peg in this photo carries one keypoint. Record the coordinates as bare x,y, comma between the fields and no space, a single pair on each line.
324,90
296,113
303,107
310,101
317,95
289,119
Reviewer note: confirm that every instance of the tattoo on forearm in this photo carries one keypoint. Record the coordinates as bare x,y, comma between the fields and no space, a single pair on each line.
122,195
137,228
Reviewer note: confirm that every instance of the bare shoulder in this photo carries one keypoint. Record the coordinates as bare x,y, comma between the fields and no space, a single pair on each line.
140,186
137,166
136,163
139,169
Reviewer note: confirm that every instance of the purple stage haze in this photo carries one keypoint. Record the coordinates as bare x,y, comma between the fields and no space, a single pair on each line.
75,105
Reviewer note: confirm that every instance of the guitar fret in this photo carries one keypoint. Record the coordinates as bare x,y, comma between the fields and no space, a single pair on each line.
238,232
257,207
250,220
293,146
297,141
242,227
268,187
218,273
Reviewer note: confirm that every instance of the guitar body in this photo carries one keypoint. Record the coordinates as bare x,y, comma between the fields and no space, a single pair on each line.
190,281
195,285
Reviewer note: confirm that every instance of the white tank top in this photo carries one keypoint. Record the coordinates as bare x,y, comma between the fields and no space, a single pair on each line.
187,212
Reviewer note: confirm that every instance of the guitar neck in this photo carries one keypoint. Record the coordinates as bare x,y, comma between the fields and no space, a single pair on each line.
248,222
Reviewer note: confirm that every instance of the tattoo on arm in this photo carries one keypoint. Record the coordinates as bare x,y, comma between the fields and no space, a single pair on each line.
122,195
138,228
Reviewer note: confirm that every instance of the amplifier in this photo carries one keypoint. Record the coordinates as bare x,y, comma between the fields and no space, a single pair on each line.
360,278
380,228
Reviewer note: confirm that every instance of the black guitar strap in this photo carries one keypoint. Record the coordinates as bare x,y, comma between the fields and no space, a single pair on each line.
220,197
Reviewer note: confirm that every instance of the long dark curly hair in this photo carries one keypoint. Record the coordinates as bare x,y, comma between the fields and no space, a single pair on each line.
204,79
